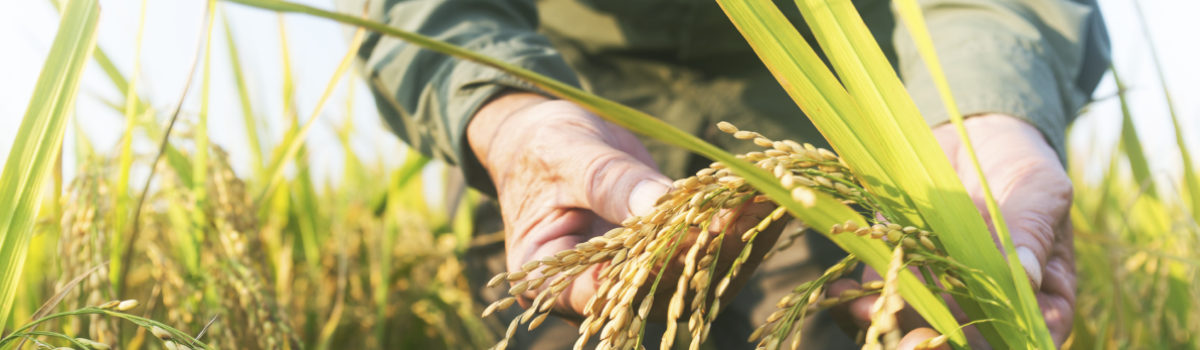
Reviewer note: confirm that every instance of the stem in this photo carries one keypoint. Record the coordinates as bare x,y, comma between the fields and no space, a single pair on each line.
143,322
57,335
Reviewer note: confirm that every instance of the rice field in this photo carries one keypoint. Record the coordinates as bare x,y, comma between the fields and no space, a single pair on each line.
173,249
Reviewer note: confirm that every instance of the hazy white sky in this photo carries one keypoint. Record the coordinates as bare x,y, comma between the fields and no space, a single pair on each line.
27,29
169,43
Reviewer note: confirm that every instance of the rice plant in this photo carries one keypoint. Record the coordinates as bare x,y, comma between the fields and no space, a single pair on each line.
271,261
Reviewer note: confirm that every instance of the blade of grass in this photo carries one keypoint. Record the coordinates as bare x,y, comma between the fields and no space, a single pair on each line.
175,158
291,146
200,131
304,203
1189,171
414,162
822,211
877,158
248,116
1131,144
58,296
354,172
126,156
39,140
83,145
114,74
1035,324
289,86
887,111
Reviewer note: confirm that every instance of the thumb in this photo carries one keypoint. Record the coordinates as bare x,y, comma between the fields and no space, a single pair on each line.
1035,215
616,185
923,339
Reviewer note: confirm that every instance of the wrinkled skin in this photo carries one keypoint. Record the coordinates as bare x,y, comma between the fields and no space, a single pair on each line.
1034,193
563,176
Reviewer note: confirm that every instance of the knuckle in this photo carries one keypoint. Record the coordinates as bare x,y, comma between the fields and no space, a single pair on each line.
1038,226
598,179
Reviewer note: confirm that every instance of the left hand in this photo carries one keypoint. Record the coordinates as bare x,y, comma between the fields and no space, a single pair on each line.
1034,193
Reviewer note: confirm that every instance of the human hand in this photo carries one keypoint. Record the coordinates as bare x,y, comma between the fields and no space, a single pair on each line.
1034,194
563,176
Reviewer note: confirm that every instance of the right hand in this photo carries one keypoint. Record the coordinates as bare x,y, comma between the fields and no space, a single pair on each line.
563,176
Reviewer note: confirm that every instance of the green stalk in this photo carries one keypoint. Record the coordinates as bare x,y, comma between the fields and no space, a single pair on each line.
126,158
1029,310
248,117
39,140
1131,144
200,133
1192,195
292,144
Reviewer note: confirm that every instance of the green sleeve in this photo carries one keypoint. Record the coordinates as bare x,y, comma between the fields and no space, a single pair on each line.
428,98
1038,60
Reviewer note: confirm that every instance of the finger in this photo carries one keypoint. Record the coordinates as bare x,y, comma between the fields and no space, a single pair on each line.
1038,200
611,182
923,339
860,309
843,313
1033,190
1057,297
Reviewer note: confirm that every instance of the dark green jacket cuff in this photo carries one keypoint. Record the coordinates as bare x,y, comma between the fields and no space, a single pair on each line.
1037,60
427,98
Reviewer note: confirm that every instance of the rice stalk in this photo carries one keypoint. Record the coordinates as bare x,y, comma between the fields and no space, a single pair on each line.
628,255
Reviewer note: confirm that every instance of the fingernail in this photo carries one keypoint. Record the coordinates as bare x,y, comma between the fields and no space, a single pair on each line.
642,199
1033,266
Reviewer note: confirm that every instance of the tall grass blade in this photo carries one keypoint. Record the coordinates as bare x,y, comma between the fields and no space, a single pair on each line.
291,146
106,64
83,145
863,124
910,12
248,117
1131,144
126,157
39,140
1191,182
289,85
414,162
200,132
308,217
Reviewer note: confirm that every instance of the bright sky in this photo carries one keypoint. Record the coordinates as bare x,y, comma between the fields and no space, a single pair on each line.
169,43
27,29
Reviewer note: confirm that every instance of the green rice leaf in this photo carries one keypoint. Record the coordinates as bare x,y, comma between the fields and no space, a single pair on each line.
1035,325
249,119
1131,144
126,156
1190,181
200,131
292,145
860,124
39,139
308,216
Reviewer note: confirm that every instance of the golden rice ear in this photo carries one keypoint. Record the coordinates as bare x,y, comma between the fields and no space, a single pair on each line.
631,251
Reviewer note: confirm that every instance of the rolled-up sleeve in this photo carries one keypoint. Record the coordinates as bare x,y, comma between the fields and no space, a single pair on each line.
1038,60
428,98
